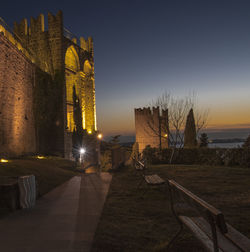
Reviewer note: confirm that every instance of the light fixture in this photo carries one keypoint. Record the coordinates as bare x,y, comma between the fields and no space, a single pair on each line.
4,160
82,151
99,136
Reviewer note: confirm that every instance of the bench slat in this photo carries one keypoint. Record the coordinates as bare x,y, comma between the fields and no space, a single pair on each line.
238,239
223,243
198,204
154,179
202,236
198,216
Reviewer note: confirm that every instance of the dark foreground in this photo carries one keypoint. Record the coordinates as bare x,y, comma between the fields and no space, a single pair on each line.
50,172
63,220
132,223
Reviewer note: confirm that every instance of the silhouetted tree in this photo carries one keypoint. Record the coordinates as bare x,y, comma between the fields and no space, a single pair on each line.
247,143
115,140
178,109
77,135
77,114
190,131
203,140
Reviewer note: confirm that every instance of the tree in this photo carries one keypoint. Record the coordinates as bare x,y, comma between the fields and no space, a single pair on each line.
247,143
203,140
115,140
190,140
77,135
178,109
77,114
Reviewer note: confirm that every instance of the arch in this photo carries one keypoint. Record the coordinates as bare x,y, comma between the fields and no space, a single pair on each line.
72,59
72,68
87,67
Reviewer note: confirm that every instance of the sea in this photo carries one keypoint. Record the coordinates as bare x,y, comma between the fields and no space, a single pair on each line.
224,138
225,145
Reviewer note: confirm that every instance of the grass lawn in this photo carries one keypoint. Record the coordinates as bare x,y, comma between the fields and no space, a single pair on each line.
50,172
132,223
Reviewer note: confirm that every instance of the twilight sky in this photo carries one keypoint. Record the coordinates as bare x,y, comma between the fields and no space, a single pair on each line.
143,48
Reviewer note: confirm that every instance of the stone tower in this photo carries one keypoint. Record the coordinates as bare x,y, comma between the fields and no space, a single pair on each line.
56,52
151,128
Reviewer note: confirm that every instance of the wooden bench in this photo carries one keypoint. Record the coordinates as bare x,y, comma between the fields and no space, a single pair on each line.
150,179
205,221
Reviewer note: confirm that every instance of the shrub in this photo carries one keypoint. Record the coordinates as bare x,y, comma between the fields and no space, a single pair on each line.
205,156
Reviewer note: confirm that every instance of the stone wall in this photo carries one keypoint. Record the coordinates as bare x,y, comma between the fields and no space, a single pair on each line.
17,131
151,128
52,104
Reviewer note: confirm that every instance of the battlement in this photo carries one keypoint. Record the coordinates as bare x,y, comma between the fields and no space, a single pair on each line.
9,36
143,111
151,126
22,28
85,44
155,112
37,24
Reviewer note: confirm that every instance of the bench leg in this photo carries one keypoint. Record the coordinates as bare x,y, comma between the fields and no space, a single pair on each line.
175,237
145,190
139,184
176,217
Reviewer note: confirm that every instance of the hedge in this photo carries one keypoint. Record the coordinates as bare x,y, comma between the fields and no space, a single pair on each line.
207,156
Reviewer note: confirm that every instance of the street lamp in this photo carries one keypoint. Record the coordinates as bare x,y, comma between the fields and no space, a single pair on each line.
82,151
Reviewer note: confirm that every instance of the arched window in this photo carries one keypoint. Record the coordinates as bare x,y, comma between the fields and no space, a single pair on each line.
72,68
72,60
87,67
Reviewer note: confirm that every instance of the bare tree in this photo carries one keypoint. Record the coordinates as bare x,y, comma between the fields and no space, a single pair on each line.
178,109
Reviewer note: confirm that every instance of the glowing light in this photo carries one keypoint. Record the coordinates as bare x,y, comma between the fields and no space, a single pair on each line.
4,160
89,131
99,136
82,150
40,157
166,135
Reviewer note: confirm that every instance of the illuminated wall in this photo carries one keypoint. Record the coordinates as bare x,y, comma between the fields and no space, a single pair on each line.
62,60
147,128
80,76
17,130
72,68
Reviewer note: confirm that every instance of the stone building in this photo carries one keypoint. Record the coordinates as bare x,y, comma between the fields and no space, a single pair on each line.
30,58
151,128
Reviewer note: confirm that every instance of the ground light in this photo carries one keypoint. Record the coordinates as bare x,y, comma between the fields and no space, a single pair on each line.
40,157
2,160
99,136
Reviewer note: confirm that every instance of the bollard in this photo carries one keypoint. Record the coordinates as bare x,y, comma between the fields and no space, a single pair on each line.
27,190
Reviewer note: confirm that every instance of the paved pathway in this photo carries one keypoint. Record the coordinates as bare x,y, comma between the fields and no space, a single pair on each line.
63,220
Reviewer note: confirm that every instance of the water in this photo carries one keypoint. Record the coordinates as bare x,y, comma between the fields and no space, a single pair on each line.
225,145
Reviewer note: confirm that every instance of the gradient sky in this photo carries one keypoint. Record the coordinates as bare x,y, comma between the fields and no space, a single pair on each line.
143,48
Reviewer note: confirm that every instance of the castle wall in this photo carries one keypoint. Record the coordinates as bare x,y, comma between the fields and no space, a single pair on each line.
151,128
53,108
17,131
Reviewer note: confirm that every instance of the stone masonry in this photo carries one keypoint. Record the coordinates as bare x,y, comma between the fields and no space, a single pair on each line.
151,128
17,132
53,51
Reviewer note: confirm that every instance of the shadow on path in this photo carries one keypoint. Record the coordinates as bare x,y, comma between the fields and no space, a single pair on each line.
63,220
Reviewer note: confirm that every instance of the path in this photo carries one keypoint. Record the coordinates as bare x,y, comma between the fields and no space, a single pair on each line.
63,220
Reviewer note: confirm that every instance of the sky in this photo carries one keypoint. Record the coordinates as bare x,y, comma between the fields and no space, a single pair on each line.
145,48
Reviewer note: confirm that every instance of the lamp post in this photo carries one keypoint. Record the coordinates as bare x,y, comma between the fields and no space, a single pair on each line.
98,150
82,151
